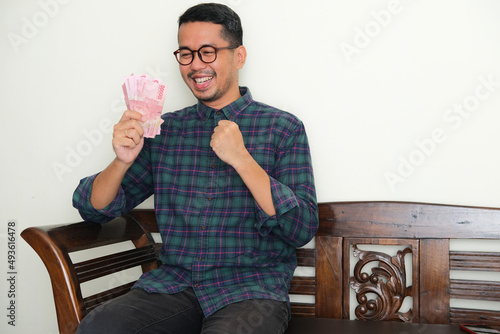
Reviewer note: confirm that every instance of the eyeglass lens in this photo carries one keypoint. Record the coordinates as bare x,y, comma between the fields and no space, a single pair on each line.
207,54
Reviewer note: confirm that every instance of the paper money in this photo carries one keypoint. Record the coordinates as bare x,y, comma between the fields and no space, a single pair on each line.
145,95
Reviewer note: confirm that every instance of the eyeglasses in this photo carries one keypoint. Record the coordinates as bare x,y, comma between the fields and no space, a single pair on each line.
207,54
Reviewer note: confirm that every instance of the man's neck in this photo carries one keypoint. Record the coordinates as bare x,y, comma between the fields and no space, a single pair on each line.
223,102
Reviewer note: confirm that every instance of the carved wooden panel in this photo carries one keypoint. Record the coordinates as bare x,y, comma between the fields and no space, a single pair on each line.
379,280
387,281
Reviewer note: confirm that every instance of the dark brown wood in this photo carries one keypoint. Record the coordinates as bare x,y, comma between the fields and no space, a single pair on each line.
336,326
434,281
425,228
54,244
466,316
476,290
102,266
93,301
408,220
381,291
306,257
303,310
478,261
387,281
85,235
329,273
303,286
65,286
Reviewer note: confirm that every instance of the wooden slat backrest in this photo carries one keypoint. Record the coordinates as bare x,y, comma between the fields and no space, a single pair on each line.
305,286
467,316
432,227
106,265
475,289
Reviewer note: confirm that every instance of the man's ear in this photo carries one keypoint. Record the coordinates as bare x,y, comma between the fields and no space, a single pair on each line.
242,56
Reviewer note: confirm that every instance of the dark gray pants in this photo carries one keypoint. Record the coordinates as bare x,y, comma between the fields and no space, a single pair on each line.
140,312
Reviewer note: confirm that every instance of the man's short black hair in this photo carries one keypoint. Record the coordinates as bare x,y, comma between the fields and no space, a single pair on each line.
232,30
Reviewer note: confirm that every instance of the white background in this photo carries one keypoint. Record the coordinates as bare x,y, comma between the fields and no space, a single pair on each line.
376,82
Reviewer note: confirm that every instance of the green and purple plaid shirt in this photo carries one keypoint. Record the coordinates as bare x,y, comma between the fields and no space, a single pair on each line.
216,238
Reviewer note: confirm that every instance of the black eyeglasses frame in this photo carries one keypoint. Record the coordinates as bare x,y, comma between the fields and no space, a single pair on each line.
216,49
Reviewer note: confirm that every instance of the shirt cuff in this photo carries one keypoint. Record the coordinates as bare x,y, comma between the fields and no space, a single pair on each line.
81,201
284,200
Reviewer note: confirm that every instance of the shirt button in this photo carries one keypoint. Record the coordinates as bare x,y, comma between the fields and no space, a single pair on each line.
195,285
218,113
200,259
203,227
210,198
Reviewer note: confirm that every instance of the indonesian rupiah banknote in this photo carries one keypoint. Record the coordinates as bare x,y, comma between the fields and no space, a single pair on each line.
147,96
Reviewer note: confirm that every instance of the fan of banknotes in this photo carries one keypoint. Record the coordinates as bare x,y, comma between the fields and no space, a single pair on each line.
146,95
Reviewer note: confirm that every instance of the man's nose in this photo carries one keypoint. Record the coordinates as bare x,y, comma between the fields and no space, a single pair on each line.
197,62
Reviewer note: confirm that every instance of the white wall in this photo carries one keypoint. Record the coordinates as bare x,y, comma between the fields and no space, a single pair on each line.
378,83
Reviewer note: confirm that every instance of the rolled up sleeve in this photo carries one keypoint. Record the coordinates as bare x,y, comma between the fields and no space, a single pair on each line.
293,192
135,188
81,201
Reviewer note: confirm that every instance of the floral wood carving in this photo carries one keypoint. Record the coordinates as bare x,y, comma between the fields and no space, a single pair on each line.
387,281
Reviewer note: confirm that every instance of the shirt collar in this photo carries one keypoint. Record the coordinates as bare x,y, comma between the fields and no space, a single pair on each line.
232,110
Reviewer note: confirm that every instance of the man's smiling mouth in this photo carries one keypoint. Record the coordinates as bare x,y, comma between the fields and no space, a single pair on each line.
202,80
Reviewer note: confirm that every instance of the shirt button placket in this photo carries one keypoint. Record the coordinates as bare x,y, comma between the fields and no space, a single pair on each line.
199,258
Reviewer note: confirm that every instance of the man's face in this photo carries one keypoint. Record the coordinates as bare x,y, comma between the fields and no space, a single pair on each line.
215,84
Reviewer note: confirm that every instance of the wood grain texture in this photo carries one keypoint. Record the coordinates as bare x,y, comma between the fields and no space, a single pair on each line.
425,228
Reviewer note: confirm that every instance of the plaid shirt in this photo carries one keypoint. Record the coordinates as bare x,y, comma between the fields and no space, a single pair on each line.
216,238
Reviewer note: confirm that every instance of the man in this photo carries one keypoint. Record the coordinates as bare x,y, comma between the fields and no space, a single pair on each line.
234,197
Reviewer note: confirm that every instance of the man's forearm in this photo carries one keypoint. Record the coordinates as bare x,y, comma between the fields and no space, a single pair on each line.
107,183
257,181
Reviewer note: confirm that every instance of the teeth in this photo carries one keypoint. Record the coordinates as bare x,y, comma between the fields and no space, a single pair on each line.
202,80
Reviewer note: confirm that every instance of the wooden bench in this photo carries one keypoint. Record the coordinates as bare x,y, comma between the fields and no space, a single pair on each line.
418,235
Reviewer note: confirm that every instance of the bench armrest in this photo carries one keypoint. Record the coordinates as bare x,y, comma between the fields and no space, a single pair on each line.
53,244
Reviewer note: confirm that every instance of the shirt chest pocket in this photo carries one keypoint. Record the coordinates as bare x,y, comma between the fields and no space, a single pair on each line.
263,150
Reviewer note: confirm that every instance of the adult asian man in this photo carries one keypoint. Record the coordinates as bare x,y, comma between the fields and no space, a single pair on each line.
234,197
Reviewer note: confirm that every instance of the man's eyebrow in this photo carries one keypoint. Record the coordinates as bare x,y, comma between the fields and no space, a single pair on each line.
183,47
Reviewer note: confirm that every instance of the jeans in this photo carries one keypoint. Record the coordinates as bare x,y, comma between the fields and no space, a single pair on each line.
146,313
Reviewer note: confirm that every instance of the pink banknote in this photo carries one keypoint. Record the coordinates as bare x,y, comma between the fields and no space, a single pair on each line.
146,95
